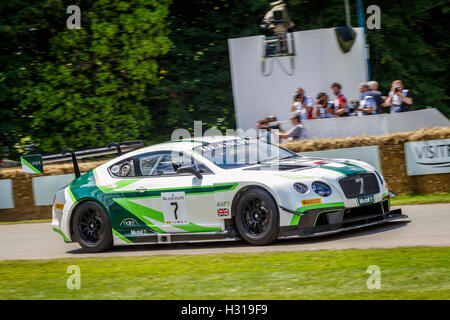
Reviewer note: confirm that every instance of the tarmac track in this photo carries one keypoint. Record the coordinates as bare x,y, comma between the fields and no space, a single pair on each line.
427,225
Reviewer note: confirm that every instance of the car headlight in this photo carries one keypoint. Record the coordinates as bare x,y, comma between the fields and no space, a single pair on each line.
322,189
300,187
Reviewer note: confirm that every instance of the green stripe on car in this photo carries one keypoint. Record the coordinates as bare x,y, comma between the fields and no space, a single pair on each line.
143,212
62,234
71,195
121,236
140,210
118,185
348,169
326,211
319,206
192,227
295,220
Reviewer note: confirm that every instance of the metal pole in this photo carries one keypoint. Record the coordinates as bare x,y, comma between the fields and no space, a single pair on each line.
347,14
361,24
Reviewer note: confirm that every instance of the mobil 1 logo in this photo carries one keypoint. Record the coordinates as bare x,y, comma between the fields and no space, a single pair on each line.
363,201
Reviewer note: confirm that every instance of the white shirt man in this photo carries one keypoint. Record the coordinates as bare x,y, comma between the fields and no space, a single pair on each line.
302,108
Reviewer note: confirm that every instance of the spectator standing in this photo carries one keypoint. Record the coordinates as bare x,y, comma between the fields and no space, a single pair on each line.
367,103
302,105
340,103
296,133
373,91
400,99
323,108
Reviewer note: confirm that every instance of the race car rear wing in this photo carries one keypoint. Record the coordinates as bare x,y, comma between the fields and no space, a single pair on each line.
34,163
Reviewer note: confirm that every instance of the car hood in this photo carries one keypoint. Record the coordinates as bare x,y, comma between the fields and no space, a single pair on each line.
315,167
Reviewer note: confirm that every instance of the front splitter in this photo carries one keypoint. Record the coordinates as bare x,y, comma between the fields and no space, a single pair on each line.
389,217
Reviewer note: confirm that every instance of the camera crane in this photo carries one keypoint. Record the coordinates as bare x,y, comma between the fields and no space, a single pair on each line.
279,40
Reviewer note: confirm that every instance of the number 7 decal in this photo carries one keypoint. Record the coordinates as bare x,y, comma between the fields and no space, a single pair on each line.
175,209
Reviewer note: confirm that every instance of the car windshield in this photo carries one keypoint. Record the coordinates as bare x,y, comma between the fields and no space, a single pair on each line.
239,153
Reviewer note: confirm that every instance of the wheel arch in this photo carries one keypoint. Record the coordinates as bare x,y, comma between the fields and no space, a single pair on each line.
266,238
75,207
241,191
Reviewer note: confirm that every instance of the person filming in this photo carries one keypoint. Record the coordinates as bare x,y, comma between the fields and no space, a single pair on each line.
400,99
296,133
302,105
323,108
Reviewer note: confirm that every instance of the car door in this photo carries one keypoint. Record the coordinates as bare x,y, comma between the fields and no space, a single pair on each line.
118,187
172,202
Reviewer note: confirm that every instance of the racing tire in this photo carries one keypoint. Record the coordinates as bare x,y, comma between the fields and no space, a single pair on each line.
257,218
92,228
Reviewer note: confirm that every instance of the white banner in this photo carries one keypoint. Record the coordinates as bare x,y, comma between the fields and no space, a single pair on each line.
44,188
427,157
6,194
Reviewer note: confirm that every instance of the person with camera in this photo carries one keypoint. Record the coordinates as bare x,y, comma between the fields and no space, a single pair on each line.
367,104
264,128
323,108
296,133
340,103
302,105
400,99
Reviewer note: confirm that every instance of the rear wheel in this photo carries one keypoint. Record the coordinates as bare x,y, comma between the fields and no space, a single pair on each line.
257,218
92,227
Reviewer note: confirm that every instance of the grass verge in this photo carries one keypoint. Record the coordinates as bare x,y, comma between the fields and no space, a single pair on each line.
406,273
26,221
404,199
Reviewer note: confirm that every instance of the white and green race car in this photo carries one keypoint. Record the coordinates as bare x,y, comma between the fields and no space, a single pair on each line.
218,189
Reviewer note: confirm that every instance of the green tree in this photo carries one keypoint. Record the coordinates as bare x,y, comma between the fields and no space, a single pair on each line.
89,86
25,27
196,80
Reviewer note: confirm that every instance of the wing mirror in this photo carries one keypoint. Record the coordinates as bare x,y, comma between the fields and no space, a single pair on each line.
189,169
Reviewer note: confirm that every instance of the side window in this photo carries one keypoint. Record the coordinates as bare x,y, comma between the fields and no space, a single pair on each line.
125,168
181,159
156,164
165,163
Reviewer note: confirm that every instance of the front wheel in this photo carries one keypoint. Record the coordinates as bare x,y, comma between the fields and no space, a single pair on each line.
92,227
257,218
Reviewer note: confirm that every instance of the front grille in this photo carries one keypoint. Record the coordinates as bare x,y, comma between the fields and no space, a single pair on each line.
359,185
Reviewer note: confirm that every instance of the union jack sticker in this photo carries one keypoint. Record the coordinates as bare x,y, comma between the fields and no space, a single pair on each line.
223,212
